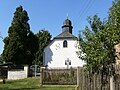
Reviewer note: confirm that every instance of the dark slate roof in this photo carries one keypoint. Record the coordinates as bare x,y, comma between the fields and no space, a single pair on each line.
65,35
67,22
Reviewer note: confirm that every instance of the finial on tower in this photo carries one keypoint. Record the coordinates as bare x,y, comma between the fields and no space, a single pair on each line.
67,16
67,25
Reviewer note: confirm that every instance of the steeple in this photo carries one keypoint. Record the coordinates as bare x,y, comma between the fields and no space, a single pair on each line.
67,26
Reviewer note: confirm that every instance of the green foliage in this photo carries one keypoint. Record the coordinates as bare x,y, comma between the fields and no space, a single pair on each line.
91,45
43,40
32,47
114,22
0,58
97,44
20,40
1,36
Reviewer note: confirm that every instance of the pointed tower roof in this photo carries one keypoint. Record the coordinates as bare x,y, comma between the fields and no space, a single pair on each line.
67,26
66,30
67,22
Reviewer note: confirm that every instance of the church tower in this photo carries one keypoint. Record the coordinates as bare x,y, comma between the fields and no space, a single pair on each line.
67,26
66,30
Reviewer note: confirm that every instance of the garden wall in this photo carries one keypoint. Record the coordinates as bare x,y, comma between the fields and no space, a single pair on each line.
18,74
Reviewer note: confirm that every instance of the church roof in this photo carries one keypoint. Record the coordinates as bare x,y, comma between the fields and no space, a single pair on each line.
65,35
67,22
66,30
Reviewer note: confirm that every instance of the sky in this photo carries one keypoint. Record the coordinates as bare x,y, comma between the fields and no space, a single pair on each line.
50,14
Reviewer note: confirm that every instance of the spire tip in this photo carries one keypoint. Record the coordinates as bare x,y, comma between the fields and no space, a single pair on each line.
67,16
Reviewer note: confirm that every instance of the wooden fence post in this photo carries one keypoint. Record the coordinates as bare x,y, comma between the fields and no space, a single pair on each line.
83,80
41,76
78,79
3,80
112,83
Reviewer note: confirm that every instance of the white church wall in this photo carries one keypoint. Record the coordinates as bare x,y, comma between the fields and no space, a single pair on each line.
56,54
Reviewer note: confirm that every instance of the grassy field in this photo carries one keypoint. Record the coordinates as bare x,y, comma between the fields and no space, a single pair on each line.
30,84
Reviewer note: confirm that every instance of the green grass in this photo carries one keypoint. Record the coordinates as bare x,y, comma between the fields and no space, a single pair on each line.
31,84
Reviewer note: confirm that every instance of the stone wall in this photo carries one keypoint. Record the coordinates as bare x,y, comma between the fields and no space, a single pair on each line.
18,74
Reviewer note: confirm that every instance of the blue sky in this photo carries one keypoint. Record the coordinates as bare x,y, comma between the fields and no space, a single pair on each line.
50,14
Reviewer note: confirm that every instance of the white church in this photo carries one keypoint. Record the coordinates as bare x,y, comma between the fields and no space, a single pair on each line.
61,52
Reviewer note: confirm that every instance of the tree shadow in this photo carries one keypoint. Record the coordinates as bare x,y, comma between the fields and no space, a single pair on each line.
19,89
48,56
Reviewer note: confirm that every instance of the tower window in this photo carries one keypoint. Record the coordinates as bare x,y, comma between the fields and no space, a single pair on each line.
65,43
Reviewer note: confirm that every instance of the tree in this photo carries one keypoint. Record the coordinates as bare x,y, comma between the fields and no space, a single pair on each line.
113,24
91,44
97,44
18,47
32,47
43,40
0,59
1,36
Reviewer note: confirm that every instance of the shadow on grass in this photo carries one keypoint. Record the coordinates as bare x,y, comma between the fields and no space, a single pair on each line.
41,88
10,85
10,82
20,89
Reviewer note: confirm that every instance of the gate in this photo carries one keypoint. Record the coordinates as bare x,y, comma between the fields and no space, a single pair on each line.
59,76
3,72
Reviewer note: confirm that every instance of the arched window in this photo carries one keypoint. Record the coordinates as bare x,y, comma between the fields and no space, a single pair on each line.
65,43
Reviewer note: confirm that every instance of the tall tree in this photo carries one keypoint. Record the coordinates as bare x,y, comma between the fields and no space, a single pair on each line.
114,22
91,45
0,58
1,36
17,42
43,40
97,44
32,47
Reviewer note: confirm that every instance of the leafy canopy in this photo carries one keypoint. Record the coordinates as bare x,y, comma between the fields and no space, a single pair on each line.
43,40
97,43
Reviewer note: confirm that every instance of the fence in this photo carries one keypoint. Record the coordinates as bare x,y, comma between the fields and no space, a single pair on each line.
81,78
98,81
59,76
92,82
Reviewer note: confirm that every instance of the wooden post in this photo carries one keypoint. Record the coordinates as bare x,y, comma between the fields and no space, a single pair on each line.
3,80
112,83
26,67
78,79
94,83
35,71
41,76
83,80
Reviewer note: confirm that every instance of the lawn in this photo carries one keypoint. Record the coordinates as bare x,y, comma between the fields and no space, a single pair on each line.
31,84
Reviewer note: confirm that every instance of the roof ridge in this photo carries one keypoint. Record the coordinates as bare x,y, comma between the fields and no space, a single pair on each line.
65,35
